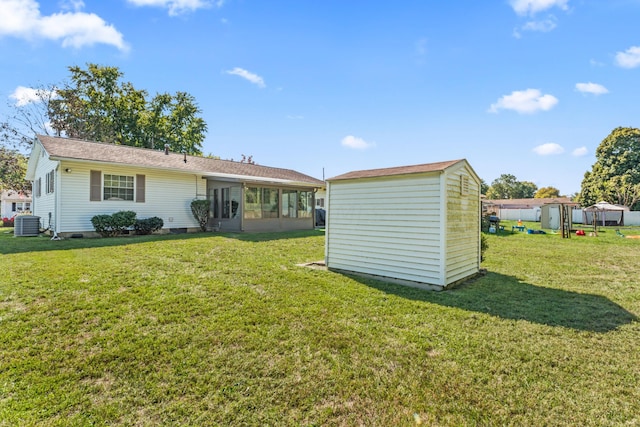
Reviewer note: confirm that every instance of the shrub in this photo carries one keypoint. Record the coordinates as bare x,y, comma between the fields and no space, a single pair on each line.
113,225
483,246
200,210
148,225
7,222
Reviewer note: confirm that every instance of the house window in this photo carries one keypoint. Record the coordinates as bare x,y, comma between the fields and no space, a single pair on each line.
38,187
49,182
20,206
118,187
297,204
305,204
320,202
261,203
252,203
289,202
270,203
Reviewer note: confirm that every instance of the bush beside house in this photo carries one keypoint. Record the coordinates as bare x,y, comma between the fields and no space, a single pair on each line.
120,222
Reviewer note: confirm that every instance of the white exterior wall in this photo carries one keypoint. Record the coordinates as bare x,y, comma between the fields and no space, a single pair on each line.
168,195
462,239
387,227
8,199
45,204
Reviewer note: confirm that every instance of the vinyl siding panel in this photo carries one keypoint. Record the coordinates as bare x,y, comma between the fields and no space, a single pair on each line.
463,224
167,195
45,205
387,227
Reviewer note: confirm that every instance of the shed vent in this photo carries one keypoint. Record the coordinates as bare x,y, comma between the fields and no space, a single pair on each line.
26,225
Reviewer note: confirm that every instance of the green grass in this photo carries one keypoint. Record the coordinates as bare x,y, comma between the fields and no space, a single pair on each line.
221,329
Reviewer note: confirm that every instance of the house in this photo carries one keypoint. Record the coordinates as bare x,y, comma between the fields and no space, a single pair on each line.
415,225
522,209
13,203
74,180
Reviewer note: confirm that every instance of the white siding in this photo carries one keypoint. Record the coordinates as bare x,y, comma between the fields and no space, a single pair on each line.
167,195
388,227
463,225
44,206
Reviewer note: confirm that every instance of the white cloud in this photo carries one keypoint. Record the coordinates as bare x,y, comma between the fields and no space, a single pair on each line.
247,75
354,142
543,26
22,19
24,95
531,7
630,58
525,102
548,149
593,88
579,152
177,7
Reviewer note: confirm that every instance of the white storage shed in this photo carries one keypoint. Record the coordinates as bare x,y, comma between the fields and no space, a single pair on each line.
414,225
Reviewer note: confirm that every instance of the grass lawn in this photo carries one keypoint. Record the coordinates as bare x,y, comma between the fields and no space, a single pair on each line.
222,329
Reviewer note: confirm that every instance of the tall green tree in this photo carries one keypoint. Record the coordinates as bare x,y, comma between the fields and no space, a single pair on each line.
507,186
97,105
546,192
615,176
13,167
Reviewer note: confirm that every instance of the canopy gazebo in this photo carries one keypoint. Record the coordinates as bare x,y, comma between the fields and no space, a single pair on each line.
603,213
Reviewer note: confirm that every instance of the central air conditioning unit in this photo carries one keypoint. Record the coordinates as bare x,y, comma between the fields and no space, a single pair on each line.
26,225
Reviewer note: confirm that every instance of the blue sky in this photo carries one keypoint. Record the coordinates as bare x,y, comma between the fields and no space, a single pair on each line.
526,87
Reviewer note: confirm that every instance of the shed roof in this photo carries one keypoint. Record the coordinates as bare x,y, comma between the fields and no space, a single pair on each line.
79,150
399,170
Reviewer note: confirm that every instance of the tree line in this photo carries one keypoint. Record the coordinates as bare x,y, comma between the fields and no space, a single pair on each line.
613,178
96,104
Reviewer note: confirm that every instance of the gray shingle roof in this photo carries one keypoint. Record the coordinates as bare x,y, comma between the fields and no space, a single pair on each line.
80,150
400,170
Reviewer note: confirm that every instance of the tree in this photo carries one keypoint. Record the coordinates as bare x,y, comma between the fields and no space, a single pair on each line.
546,192
507,186
525,190
13,167
615,175
28,118
484,187
96,105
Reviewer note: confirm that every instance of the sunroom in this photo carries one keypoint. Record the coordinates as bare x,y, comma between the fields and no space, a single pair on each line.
259,206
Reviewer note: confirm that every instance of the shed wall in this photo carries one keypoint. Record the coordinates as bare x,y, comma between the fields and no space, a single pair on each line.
387,227
463,225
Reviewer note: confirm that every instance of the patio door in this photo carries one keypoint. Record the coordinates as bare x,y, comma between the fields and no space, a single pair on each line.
226,208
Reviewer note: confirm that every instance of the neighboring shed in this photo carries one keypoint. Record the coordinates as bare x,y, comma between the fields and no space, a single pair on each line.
416,225
550,214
